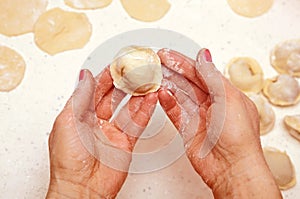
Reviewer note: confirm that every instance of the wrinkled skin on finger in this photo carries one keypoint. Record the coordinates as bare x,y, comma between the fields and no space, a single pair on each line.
236,141
84,144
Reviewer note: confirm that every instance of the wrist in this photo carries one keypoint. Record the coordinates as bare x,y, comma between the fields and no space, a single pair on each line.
249,178
60,189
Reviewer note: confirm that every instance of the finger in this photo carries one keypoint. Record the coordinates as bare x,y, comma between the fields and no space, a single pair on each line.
182,65
109,103
104,84
146,109
216,84
81,100
170,106
184,114
135,115
176,82
142,117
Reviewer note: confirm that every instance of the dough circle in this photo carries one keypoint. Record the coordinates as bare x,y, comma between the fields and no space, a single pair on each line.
87,4
146,10
57,30
12,69
250,8
18,16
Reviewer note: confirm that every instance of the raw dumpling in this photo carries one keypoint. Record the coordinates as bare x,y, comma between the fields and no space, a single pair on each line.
266,113
12,69
18,16
285,57
293,125
283,90
87,4
281,167
246,74
136,70
57,30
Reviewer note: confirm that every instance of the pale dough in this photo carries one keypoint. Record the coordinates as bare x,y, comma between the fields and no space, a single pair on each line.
250,8
18,16
266,113
12,69
57,30
283,90
136,70
87,4
245,73
281,167
146,10
285,57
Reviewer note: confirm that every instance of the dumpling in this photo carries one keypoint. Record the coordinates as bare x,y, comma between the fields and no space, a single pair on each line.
136,70
285,57
281,167
266,113
245,73
283,90
292,123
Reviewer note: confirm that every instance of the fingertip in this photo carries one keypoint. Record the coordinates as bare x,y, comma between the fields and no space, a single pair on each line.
166,99
152,97
204,55
163,51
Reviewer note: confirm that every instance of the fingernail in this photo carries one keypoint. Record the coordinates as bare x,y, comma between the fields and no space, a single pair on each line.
81,75
207,55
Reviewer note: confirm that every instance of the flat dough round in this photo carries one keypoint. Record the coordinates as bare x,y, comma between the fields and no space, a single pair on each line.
57,30
18,16
12,69
146,10
250,8
87,4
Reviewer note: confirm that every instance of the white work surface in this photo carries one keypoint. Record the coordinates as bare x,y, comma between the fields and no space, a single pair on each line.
28,112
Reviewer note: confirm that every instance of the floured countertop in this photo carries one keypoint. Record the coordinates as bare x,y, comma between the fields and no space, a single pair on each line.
28,112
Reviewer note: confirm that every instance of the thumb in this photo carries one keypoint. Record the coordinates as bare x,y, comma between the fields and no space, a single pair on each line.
82,99
214,81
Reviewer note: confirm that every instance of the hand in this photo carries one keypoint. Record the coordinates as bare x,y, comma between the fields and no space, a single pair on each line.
83,163
224,147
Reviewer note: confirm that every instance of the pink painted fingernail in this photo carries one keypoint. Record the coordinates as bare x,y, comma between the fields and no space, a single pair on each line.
81,75
207,55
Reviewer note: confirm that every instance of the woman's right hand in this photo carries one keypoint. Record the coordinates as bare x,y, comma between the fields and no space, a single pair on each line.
225,149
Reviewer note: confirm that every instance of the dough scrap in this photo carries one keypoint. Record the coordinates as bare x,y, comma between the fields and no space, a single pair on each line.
245,73
283,90
87,4
266,113
281,167
146,10
285,57
57,30
136,70
12,69
18,16
250,8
